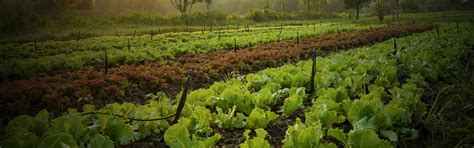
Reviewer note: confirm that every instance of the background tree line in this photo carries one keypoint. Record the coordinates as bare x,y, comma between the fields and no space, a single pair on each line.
25,15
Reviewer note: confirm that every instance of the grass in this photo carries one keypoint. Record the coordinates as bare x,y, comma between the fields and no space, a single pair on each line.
450,120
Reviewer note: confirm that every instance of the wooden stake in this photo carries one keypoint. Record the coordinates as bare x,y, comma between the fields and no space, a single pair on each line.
235,45
151,35
36,47
297,37
279,35
437,30
184,95
106,64
394,43
129,46
457,25
313,72
78,35
4,56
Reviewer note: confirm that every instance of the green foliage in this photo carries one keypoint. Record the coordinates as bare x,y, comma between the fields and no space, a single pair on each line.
343,81
229,120
260,15
178,136
259,118
38,125
366,107
362,138
202,119
338,134
257,141
200,97
350,4
323,116
234,93
100,141
267,96
331,99
294,101
25,61
301,135
57,140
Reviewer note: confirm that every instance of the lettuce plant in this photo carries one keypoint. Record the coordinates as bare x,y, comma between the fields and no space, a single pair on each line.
229,120
259,118
362,138
178,136
301,135
294,101
257,141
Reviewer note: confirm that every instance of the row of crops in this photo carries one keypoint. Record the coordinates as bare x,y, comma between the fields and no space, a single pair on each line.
127,83
22,60
366,97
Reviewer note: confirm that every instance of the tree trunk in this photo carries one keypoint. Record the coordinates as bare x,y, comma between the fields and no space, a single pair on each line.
350,14
308,7
357,12
397,7
268,6
283,5
190,8
381,10
208,7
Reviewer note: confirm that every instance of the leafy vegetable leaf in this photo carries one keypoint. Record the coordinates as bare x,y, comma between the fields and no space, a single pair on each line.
362,138
257,141
100,141
259,118
58,140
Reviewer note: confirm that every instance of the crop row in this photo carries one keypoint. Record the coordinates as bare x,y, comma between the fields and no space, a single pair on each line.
31,59
126,83
367,97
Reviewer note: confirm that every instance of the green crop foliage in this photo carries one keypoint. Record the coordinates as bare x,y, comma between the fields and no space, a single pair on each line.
361,88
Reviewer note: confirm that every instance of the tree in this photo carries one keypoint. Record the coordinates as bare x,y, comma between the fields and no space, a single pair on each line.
357,4
283,5
410,6
80,4
397,4
208,5
267,5
380,7
184,6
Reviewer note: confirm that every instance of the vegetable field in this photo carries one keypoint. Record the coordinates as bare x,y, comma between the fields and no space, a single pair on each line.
344,84
23,60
